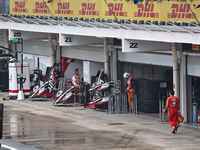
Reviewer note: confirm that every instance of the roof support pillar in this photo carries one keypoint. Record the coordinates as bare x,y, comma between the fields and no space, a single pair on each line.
106,57
183,87
50,37
175,70
5,34
114,63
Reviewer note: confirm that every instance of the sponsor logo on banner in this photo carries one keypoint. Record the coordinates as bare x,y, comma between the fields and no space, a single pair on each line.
146,11
63,8
88,9
180,11
40,7
117,10
20,7
195,47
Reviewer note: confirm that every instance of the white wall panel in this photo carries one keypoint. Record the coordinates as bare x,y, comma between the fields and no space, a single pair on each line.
146,58
44,62
70,70
95,66
90,69
193,66
2,42
84,53
36,47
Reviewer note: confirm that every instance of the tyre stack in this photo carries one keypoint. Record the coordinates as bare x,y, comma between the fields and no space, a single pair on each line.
148,96
139,87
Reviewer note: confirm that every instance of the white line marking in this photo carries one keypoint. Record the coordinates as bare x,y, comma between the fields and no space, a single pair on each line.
73,115
11,148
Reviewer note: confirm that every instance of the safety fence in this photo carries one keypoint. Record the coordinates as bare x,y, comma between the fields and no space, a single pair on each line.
84,97
162,115
121,103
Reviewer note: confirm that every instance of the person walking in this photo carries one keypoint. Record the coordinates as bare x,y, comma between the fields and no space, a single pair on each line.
174,109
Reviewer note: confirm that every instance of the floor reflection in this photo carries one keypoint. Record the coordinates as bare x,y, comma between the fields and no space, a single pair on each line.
51,133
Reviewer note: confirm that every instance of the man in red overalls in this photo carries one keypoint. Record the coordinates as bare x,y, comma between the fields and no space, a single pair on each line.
174,109
130,88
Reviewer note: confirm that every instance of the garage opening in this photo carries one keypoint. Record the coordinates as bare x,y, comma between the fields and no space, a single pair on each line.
152,82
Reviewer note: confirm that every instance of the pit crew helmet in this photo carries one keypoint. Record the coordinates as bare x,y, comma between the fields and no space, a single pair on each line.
126,75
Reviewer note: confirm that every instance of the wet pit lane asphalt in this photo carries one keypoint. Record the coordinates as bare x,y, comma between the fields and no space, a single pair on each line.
51,133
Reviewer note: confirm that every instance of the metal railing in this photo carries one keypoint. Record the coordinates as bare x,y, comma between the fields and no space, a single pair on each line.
118,103
162,116
114,102
82,95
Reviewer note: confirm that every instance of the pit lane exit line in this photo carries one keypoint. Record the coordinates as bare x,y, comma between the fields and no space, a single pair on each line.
11,148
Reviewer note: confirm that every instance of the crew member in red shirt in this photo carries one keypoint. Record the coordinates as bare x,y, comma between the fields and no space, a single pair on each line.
174,109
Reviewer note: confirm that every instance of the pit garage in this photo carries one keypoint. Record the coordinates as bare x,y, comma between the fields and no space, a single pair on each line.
153,76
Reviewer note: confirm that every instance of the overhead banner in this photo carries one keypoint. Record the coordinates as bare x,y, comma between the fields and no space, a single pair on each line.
110,9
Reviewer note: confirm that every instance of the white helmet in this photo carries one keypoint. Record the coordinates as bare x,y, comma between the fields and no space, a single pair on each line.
126,75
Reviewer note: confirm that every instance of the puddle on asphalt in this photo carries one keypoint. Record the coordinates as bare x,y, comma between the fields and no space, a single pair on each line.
51,133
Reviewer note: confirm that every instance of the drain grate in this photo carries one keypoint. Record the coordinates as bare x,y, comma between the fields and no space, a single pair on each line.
113,124
145,124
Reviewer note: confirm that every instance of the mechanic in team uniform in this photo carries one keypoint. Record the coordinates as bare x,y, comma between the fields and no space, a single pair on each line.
130,87
57,75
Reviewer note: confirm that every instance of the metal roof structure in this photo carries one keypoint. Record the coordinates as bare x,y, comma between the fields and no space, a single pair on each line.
180,32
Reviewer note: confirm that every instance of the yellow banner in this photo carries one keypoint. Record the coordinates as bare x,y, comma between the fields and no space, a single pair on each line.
179,11
130,11
110,9
195,47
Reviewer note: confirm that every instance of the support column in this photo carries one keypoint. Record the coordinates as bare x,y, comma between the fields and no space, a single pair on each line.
57,50
114,64
175,70
183,87
106,57
51,48
5,34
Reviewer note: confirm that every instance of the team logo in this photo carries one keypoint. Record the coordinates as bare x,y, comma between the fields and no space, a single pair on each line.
63,8
180,11
41,8
173,103
88,9
116,8
146,11
20,7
